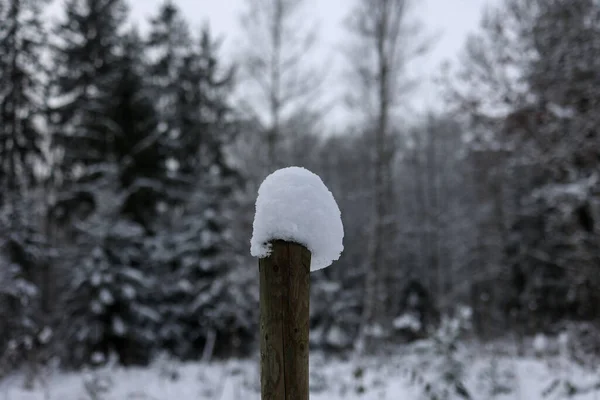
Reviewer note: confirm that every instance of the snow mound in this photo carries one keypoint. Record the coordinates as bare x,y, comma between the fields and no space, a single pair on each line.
294,205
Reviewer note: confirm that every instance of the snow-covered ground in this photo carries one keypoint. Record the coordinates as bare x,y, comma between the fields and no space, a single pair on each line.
405,374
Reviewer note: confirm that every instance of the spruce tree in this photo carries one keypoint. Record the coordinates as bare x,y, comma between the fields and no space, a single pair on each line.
170,45
86,67
138,146
23,252
22,39
206,293
170,41
24,255
111,295
529,86
107,132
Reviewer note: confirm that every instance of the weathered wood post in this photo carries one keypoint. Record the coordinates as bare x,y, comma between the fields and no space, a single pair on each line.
284,322
297,229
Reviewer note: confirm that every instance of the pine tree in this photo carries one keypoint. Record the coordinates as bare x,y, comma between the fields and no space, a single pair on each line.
22,38
206,293
171,47
564,141
119,303
109,301
114,161
206,288
170,42
23,252
23,258
86,58
529,84
139,146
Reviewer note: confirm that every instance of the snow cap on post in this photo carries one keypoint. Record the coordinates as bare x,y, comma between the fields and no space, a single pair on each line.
294,205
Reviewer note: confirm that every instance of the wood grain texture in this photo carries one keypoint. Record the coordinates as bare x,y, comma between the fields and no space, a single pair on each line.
284,322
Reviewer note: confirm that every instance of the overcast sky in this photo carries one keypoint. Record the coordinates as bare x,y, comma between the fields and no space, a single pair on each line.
452,20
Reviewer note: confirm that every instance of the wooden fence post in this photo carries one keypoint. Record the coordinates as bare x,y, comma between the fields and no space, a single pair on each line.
284,322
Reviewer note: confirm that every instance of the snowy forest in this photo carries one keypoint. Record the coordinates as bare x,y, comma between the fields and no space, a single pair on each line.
130,161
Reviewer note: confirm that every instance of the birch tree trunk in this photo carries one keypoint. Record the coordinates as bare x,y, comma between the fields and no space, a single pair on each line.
278,66
381,51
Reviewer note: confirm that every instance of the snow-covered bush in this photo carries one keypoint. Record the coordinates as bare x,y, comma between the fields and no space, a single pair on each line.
447,359
334,315
207,297
109,301
497,377
24,257
417,313
97,385
583,343
408,325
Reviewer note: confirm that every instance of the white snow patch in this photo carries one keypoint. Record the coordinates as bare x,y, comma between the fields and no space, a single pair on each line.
294,205
129,292
407,321
540,343
45,335
563,339
96,307
118,327
106,297
336,337
375,330
561,112
98,357
96,279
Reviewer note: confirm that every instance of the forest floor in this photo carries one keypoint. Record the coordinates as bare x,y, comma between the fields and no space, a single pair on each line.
409,372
